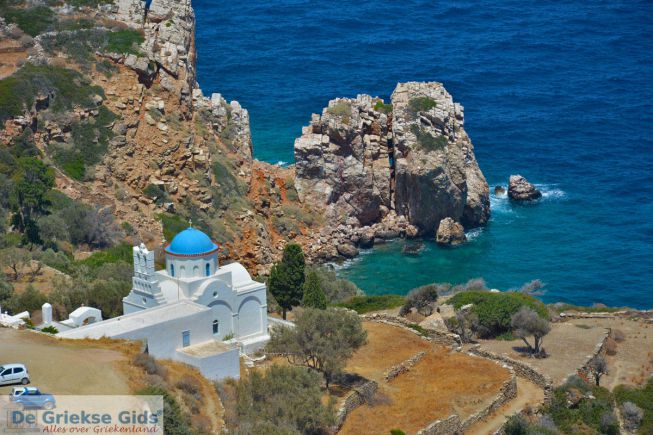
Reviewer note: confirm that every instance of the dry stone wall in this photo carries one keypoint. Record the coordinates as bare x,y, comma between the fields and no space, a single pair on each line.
355,399
403,366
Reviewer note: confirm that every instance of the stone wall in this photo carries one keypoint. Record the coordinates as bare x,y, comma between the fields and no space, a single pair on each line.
453,424
599,349
355,399
403,366
443,338
448,426
521,369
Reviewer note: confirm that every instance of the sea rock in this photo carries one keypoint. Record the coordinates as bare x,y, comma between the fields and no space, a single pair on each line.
499,191
347,250
411,161
520,189
450,232
366,240
412,248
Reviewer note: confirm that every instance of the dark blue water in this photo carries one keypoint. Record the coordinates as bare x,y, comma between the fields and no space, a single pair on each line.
561,92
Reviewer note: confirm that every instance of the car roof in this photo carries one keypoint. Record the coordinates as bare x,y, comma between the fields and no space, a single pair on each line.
10,366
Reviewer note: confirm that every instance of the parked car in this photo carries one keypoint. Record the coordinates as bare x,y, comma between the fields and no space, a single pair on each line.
31,397
13,374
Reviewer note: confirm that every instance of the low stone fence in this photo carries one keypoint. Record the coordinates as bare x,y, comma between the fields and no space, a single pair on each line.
355,399
521,369
599,349
403,366
453,424
443,338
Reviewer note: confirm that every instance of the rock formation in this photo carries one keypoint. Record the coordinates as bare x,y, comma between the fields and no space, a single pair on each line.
371,161
519,189
450,232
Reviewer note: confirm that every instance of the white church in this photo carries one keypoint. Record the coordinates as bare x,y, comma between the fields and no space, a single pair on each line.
194,311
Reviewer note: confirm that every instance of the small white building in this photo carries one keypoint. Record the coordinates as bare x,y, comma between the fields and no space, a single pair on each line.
186,311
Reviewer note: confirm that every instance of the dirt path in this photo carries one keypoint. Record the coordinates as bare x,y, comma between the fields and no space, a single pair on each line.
527,394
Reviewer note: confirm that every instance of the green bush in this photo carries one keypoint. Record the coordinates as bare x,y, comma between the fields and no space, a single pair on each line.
495,310
32,21
121,252
68,88
421,104
124,41
427,141
155,192
589,415
643,398
365,304
172,224
50,330
380,106
90,141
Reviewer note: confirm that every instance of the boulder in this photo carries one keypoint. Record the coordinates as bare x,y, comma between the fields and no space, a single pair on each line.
520,189
450,233
366,240
499,191
347,250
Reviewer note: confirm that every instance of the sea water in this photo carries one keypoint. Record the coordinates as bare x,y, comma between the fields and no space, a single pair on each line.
560,92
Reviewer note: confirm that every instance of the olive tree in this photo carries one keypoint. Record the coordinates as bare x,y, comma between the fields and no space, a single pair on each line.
598,367
322,340
526,322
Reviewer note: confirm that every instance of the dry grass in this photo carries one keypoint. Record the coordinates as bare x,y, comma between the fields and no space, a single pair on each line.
441,383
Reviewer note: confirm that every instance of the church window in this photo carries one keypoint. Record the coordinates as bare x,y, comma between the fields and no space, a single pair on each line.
185,338
215,294
216,326
208,269
196,271
172,270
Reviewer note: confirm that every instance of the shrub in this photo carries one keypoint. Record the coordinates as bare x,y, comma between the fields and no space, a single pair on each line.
516,425
365,304
632,416
68,88
190,385
149,364
122,252
50,330
155,192
427,141
336,289
380,106
495,310
314,296
172,224
643,398
610,346
283,400
341,108
125,41
32,21
421,104
422,299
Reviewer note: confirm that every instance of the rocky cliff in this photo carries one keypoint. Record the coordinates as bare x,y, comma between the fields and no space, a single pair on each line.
365,162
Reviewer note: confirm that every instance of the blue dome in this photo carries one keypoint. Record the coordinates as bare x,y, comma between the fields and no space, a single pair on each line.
191,242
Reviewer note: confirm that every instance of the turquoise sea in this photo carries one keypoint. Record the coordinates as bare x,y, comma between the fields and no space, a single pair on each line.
560,91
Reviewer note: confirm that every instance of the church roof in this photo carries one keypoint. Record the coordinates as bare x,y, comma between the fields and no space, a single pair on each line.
191,242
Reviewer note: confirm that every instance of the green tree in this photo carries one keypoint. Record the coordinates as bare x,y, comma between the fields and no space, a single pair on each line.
29,300
287,278
322,340
32,181
526,322
284,400
314,296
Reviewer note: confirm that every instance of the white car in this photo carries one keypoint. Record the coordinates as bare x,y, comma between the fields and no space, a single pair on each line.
13,374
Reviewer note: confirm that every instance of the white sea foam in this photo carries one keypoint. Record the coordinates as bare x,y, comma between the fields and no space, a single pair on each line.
281,163
551,191
474,233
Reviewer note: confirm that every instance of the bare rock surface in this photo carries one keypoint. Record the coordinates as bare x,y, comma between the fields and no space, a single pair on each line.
519,189
407,165
450,232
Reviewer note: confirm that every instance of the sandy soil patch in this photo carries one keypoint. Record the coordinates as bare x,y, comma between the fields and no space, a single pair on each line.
569,345
64,367
440,384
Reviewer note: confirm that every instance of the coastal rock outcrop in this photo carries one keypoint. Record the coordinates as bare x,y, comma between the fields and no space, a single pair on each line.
450,232
519,189
411,159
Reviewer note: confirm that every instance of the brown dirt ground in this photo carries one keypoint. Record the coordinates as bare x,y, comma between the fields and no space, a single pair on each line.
11,54
62,366
633,363
568,345
441,383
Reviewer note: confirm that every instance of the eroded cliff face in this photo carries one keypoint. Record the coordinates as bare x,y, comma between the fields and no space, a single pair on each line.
366,162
